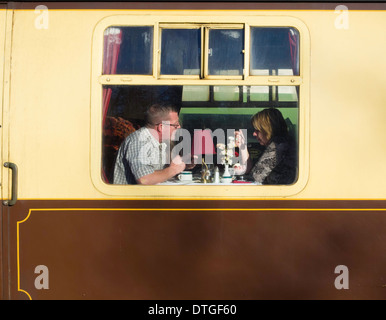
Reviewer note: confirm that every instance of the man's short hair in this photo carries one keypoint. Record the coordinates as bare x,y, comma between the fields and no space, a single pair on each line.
157,113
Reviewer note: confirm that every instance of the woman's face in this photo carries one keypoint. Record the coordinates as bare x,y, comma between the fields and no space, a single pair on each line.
261,137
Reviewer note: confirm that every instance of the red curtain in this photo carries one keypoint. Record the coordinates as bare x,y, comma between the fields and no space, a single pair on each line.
112,44
293,40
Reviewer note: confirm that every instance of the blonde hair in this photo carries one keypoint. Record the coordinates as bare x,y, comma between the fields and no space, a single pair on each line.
270,122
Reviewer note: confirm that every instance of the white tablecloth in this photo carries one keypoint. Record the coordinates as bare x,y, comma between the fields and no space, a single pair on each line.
199,183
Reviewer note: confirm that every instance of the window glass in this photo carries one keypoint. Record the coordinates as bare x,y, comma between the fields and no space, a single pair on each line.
226,93
219,103
259,93
181,52
287,93
273,93
128,50
195,93
201,107
274,51
226,52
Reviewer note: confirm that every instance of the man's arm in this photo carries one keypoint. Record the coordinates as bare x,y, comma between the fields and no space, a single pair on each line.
159,176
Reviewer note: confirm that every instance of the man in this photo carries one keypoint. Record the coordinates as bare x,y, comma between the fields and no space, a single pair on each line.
142,157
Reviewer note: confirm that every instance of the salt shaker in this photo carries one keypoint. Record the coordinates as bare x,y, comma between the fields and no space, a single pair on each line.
216,177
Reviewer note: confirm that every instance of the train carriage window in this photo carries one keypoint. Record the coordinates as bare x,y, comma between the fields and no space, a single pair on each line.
180,51
225,54
128,50
201,107
202,69
274,51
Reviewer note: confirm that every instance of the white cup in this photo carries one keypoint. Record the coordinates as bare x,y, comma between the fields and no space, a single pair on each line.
185,176
226,180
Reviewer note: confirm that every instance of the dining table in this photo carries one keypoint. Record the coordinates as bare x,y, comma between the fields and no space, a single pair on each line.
197,181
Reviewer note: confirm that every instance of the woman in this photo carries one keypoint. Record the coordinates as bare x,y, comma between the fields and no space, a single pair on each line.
277,164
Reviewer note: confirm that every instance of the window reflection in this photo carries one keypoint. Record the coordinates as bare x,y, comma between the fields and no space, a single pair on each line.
274,51
201,107
226,93
128,50
226,52
181,52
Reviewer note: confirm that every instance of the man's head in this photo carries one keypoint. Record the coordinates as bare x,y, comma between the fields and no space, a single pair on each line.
164,119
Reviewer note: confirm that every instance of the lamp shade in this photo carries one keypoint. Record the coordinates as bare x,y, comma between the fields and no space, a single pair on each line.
203,142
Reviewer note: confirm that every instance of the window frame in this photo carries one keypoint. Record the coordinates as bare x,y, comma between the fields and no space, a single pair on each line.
216,26
158,45
194,19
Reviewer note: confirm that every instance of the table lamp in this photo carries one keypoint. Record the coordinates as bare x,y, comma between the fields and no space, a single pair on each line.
203,145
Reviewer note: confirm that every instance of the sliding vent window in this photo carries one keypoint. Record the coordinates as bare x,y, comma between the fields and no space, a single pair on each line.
128,50
226,52
181,52
274,51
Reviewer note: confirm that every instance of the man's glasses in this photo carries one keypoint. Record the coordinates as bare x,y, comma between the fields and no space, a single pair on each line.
176,126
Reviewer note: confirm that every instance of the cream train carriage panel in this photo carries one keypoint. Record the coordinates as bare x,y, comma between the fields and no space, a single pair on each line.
67,103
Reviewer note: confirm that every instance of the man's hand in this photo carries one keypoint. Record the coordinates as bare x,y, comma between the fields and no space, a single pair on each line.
192,164
177,165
